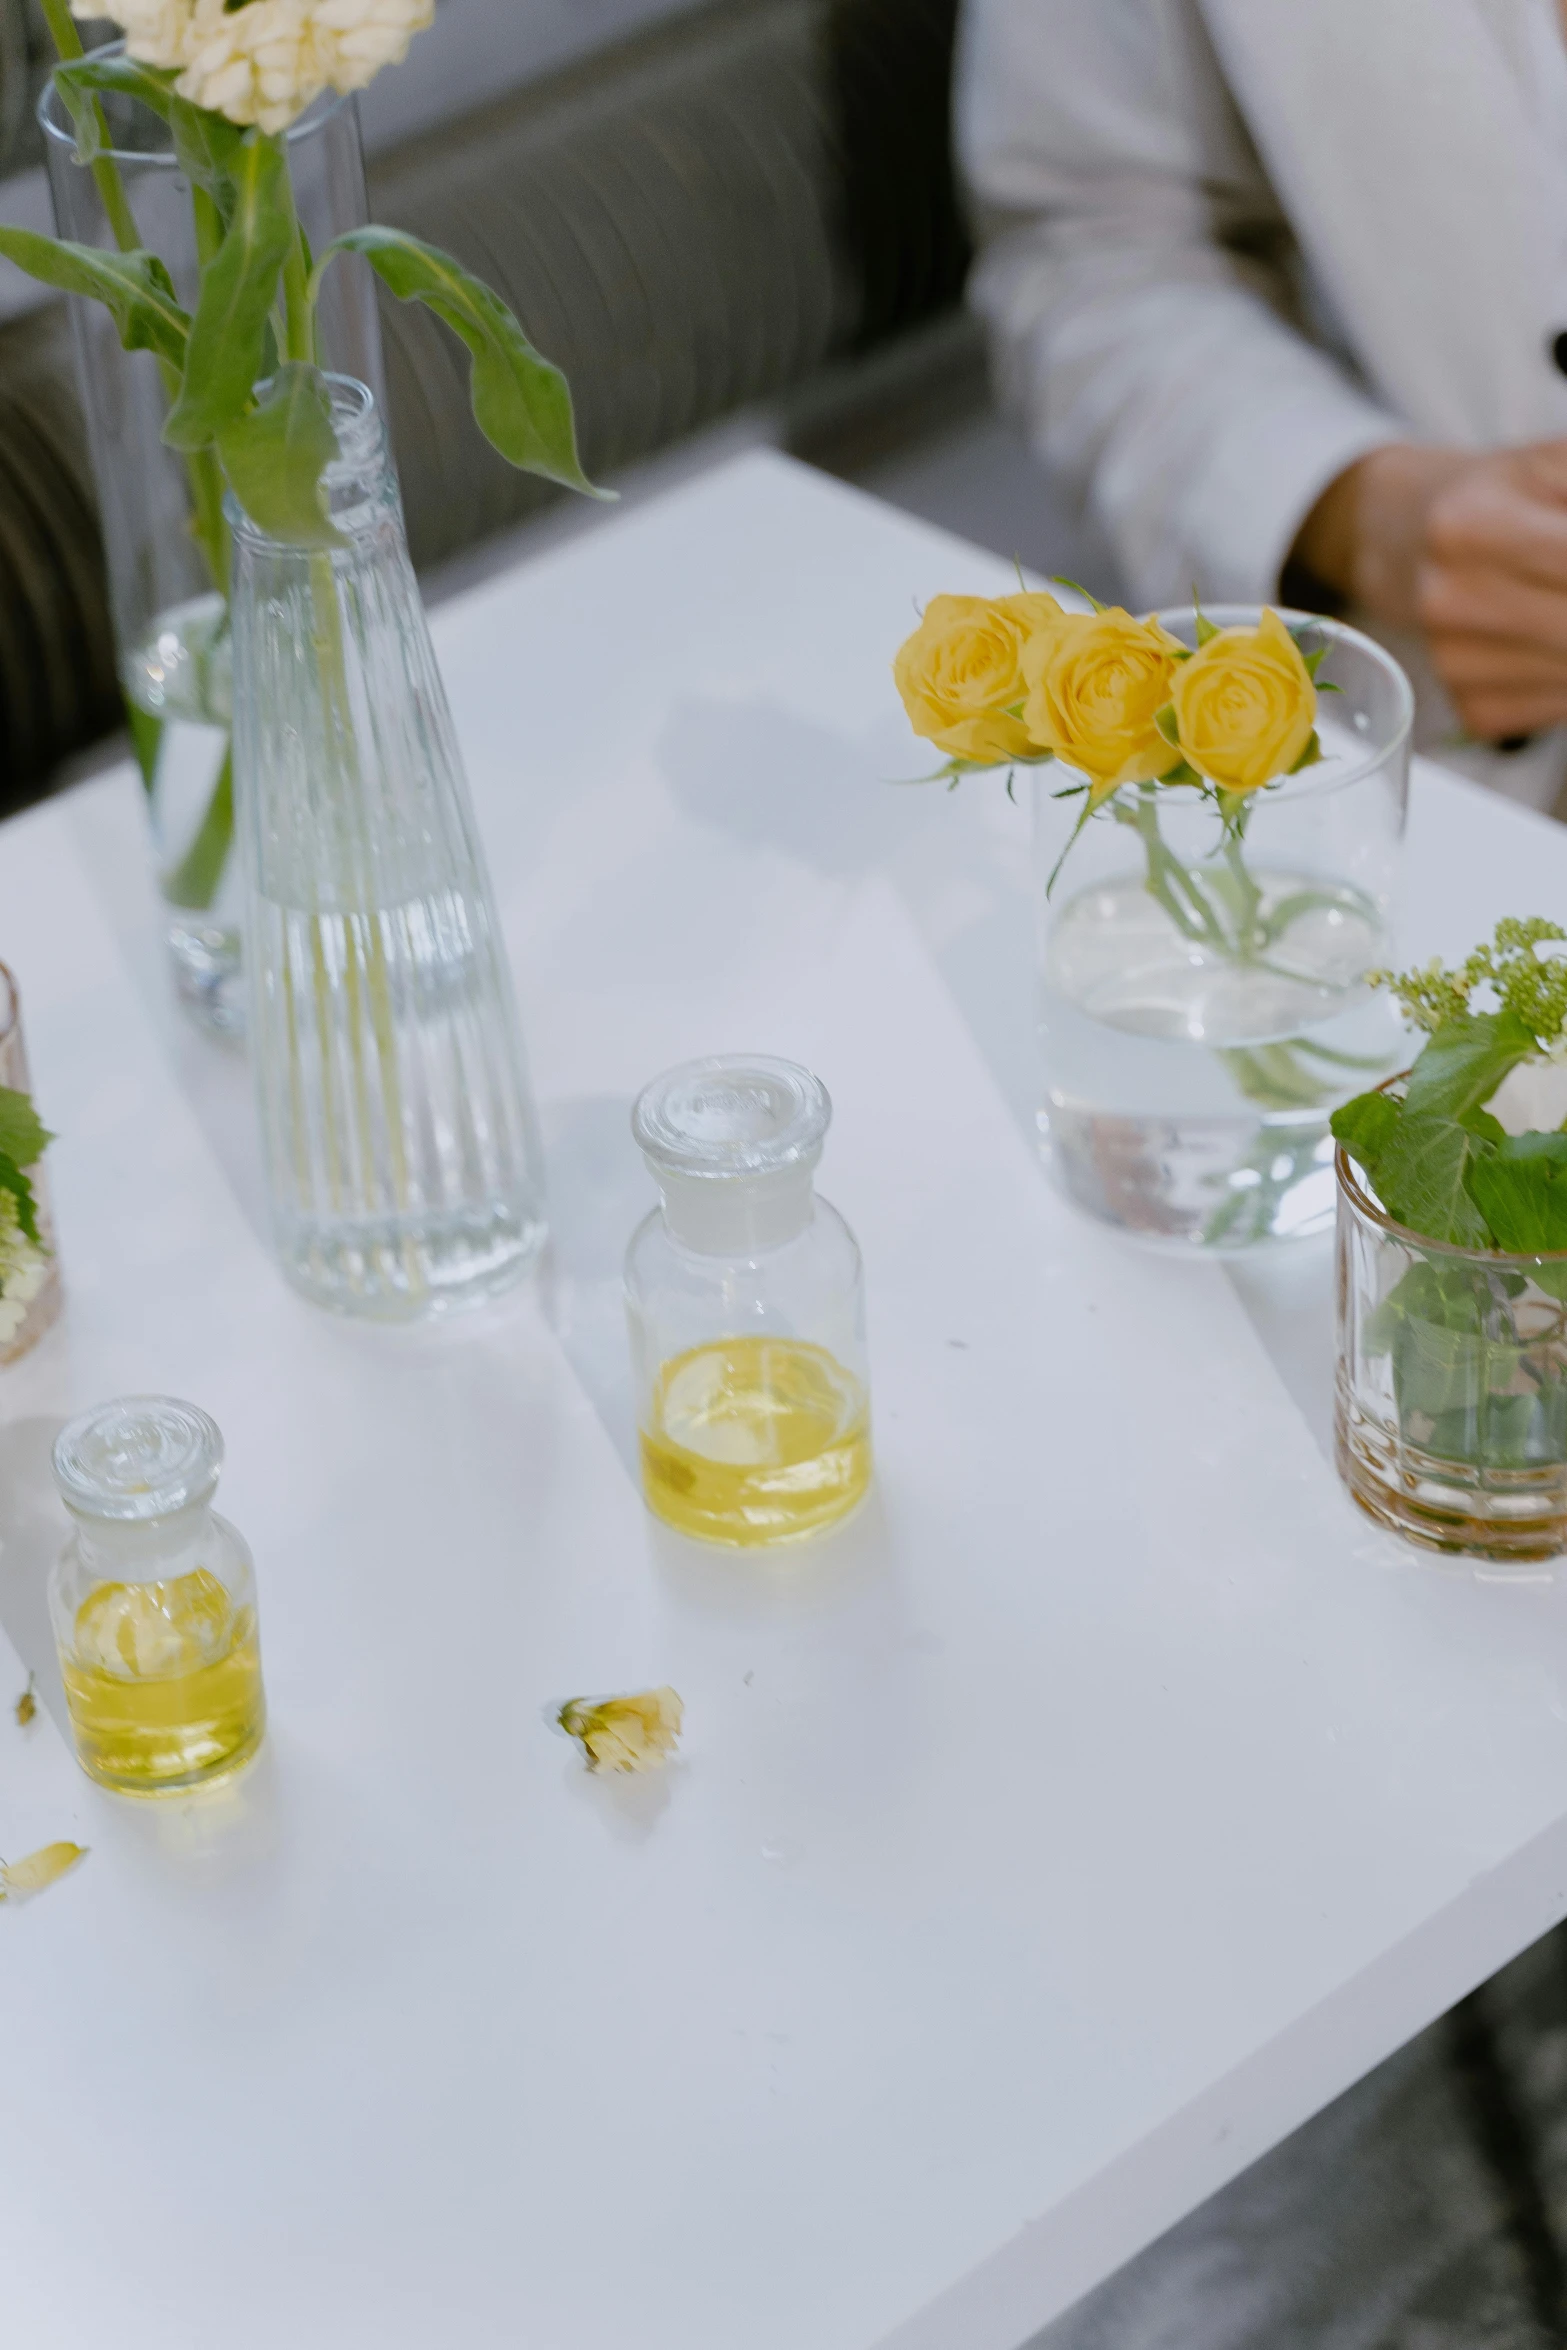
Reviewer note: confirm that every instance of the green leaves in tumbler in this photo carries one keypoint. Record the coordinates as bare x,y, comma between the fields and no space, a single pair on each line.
238,287
276,453
134,287
1522,1192
521,402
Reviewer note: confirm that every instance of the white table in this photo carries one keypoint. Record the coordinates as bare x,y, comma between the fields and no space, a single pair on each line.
1043,1848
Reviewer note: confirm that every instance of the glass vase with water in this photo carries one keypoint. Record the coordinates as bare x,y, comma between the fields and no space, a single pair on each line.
1203,1004
399,1141
164,533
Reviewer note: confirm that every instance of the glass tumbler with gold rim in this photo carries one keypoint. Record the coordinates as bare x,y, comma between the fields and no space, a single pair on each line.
746,1303
1451,1420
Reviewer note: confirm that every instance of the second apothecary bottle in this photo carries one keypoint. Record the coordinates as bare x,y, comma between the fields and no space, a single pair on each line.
745,1298
400,1144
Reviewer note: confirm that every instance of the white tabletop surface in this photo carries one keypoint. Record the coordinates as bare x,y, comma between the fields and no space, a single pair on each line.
1043,1847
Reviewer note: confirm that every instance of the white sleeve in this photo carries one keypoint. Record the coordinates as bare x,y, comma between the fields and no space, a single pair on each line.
1138,279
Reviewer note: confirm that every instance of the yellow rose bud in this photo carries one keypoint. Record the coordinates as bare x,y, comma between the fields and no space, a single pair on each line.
1096,684
625,1733
1245,706
961,673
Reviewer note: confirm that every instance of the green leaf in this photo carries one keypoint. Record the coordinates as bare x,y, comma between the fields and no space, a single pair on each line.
1420,1179
275,457
208,148
1521,1190
1364,1127
146,740
80,82
1465,1060
238,287
13,1180
521,402
23,1135
1168,725
1206,631
1058,579
1273,1076
1309,756
1314,660
205,144
134,287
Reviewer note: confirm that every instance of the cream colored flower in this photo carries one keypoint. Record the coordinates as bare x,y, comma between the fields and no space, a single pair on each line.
156,31
625,1733
1532,1099
267,60
24,1268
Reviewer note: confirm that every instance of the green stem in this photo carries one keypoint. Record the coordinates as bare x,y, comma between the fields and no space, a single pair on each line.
195,880
299,328
1248,895
105,171
1169,882
363,940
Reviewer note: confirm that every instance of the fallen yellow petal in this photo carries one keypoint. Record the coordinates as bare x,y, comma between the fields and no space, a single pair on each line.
26,1704
39,1870
625,1733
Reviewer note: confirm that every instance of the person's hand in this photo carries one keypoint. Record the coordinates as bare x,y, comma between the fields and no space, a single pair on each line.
1470,550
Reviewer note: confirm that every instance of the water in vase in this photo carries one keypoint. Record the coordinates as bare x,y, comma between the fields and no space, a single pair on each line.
1197,1036
177,683
402,1167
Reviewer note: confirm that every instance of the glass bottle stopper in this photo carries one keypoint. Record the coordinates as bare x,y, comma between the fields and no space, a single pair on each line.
137,1459
731,1143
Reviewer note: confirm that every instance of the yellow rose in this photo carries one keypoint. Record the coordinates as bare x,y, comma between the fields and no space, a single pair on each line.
1096,683
961,673
1245,706
625,1733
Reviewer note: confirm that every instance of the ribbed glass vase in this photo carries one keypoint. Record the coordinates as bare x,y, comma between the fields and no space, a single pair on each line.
400,1144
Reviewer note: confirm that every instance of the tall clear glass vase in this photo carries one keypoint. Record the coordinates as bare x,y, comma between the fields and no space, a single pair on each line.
400,1145
163,527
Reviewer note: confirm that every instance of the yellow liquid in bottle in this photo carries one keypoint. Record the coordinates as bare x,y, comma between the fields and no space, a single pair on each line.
755,1440
165,1684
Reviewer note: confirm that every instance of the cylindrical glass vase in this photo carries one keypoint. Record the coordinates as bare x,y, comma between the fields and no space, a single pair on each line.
162,513
1451,1414
29,1273
1203,1003
400,1146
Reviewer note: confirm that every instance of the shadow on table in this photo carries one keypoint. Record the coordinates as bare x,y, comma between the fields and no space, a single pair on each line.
32,1528
599,1192
847,806
771,779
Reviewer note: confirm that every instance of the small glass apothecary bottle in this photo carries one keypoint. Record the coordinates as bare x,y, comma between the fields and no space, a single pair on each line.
153,1601
746,1302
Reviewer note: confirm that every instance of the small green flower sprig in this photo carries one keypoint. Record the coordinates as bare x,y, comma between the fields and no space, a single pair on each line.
1440,1161
1533,986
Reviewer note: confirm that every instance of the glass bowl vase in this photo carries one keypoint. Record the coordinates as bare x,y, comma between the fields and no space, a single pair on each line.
1203,1004
1451,1409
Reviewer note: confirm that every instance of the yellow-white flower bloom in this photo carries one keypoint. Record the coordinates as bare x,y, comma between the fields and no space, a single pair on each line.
266,61
24,1269
625,1733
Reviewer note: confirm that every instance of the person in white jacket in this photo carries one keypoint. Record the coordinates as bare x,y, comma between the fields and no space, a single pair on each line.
1279,289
